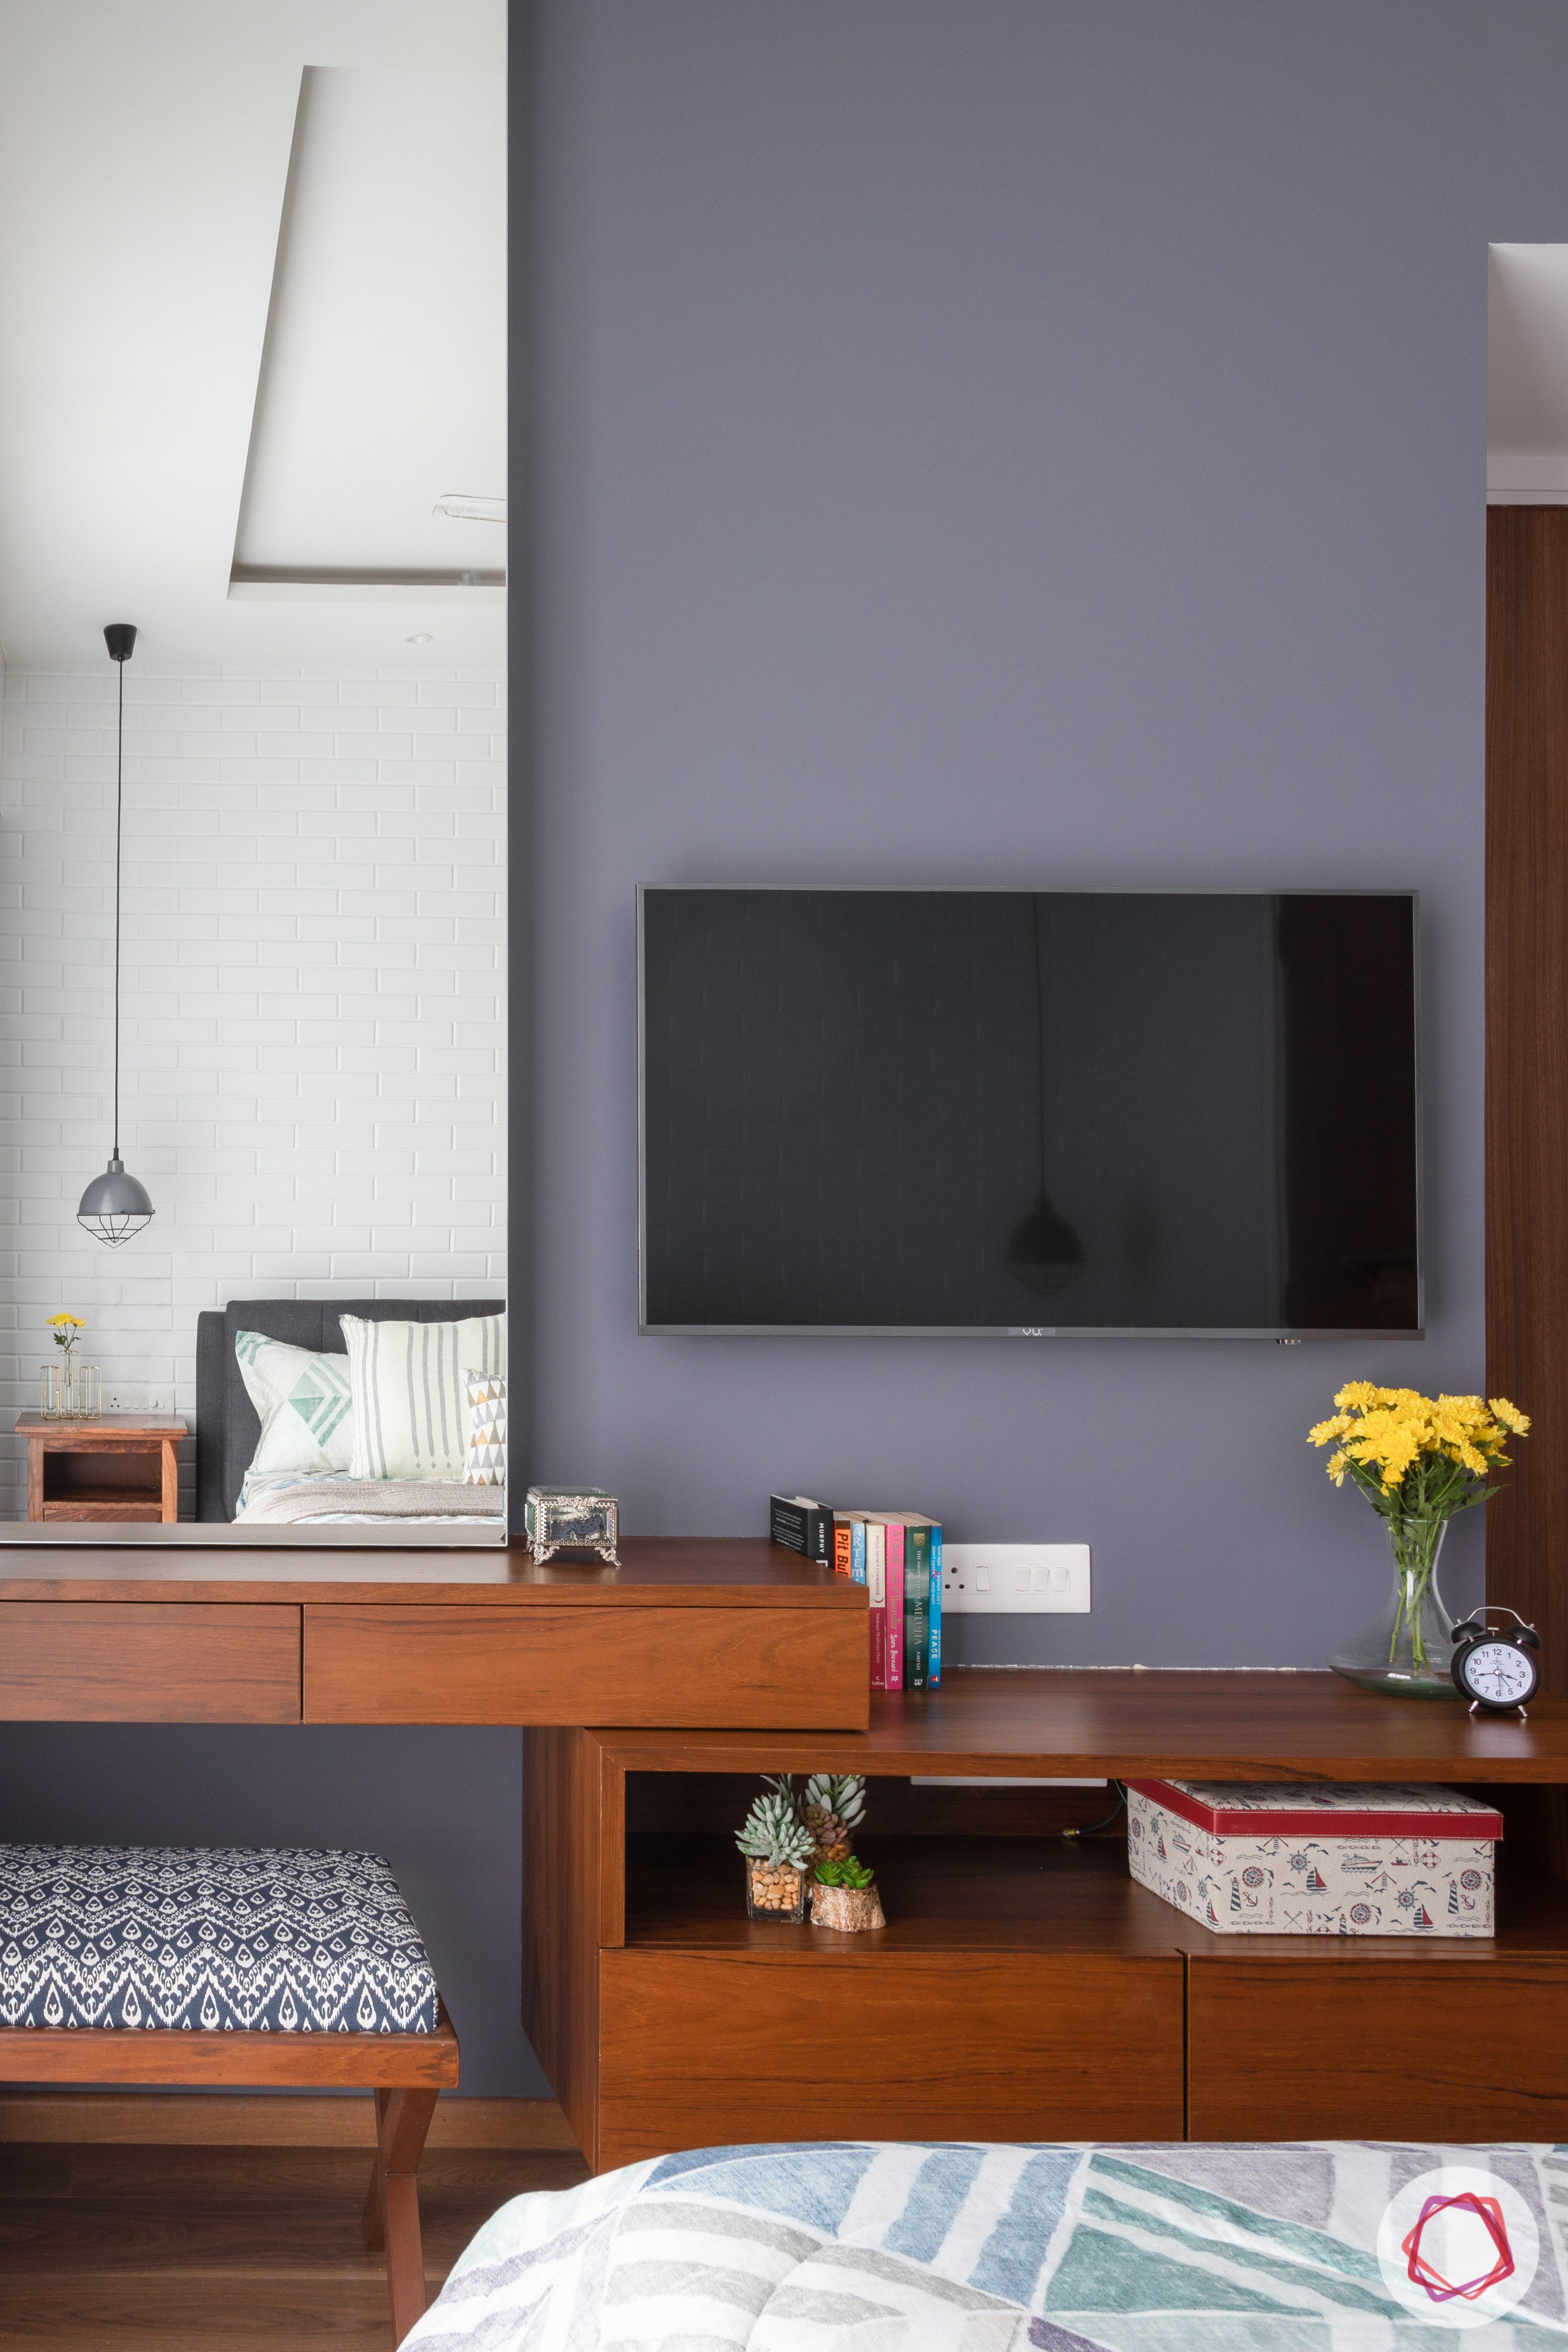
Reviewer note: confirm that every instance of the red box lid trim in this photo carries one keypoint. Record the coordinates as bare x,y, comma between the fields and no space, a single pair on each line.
1286,1820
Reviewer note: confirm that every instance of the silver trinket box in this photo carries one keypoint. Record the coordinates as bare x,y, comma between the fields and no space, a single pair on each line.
576,1518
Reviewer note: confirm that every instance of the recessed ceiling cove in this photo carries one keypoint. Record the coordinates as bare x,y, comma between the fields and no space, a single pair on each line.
381,389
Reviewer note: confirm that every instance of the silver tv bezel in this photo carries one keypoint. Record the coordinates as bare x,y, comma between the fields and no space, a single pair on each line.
1292,1333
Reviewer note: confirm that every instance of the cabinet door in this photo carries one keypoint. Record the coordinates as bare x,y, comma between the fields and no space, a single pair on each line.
700,2049
1442,2044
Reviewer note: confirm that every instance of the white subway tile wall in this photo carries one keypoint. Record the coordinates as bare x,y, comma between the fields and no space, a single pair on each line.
312,1010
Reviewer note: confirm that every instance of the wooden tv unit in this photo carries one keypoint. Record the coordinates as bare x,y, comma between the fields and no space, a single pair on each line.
1025,1987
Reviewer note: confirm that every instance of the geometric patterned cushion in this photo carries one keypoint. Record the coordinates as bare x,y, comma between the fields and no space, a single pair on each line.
486,1464
303,1402
212,1938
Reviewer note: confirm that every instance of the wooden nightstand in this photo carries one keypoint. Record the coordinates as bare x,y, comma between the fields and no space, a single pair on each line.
120,1466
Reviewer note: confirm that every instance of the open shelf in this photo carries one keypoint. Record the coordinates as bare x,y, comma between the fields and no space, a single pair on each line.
1022,1893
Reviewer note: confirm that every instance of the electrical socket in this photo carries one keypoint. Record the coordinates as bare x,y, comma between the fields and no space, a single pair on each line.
1014,1580
137,1396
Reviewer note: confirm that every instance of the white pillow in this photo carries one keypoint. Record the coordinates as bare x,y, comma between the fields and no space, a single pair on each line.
305,1403
410,1412
486,1464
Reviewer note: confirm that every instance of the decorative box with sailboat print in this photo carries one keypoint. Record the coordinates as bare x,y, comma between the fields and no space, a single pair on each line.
1289,1859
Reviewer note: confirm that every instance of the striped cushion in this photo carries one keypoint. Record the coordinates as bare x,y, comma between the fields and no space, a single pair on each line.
304,1403
209,1938
410,1409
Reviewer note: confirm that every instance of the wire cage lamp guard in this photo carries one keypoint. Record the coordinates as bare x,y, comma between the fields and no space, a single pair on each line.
115,1206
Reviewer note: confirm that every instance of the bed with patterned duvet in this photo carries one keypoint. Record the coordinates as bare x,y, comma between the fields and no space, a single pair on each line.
864,2246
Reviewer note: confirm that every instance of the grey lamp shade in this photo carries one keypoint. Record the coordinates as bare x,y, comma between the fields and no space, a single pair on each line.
115,1205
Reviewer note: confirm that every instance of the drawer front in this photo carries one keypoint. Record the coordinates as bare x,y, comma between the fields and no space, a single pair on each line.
1449,2045
148,1661
699,2049
762,1668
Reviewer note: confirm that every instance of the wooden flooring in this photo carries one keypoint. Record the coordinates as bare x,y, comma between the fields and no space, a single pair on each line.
194,2249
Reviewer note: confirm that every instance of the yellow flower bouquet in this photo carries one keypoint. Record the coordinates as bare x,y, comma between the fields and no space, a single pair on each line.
67,1329
1419,1460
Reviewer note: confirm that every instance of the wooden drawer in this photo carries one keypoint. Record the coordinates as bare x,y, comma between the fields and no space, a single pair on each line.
148,1661
1451,2043
699,2049
767,1668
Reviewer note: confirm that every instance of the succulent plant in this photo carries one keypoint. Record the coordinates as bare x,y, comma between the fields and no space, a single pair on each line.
832,1810
845,1872
773,1832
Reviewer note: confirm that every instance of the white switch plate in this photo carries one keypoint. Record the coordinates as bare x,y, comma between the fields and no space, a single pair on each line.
1014,1580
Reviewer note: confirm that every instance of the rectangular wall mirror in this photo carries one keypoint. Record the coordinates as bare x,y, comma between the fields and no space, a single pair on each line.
253,411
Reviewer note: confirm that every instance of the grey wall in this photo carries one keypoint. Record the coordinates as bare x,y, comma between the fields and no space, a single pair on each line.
1014,442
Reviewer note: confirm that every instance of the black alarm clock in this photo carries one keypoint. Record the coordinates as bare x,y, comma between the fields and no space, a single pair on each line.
1497,1672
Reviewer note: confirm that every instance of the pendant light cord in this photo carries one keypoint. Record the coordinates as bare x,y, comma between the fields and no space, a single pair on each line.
118,804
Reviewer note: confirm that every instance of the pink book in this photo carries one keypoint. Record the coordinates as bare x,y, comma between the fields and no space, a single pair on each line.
876,1593
893,1531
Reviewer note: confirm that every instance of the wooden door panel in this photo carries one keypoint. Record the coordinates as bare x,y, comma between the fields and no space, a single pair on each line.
148,1661
698,2049
765,1667
1332,2047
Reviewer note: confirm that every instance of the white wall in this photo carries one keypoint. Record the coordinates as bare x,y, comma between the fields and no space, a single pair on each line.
312,1010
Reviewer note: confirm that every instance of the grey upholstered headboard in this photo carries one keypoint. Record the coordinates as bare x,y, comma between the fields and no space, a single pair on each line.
228,1427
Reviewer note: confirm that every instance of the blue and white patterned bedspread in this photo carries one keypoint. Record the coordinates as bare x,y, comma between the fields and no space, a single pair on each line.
858,2246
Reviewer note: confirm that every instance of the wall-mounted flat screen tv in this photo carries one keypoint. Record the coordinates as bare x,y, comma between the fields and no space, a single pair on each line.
1030,1113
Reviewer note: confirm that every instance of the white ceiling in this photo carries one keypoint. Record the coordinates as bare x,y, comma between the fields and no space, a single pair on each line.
144,160
1526,374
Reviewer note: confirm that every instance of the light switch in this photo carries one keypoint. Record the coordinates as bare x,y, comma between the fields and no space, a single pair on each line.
1003,1580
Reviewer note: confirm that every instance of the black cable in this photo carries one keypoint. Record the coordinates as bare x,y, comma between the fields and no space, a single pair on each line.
1119,1808
118,804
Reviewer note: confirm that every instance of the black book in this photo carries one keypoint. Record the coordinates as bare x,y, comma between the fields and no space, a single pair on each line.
803,1525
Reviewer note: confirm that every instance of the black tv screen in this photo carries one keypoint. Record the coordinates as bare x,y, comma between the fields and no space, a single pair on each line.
1049,1114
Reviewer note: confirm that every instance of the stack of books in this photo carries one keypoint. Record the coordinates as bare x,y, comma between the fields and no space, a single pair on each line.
897,1556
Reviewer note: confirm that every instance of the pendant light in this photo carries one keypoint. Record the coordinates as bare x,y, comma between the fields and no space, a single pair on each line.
115,1205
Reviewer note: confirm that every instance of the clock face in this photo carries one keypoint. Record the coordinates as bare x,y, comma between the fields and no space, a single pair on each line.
1498,1675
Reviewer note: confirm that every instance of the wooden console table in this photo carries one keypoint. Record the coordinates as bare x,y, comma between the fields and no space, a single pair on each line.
1025,1987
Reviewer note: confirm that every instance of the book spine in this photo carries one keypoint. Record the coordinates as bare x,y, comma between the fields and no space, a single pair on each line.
933,1675
857,1551
843,1544
916,1608
819,1534
876,1592
893,1540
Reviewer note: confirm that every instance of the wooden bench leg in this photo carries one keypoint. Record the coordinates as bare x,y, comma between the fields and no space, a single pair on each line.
391,2206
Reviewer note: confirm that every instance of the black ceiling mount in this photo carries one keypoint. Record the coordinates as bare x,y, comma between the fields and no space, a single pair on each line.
121,638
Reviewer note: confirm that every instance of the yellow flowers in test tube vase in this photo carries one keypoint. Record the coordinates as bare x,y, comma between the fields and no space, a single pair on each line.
1419,1460
69,1390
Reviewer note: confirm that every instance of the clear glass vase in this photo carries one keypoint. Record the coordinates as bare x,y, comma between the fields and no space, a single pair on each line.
1408,1650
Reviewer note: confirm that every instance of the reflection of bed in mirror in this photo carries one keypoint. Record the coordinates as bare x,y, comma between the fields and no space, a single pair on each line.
229,1428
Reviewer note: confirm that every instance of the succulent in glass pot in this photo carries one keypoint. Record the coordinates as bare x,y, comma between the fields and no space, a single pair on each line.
777,1848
